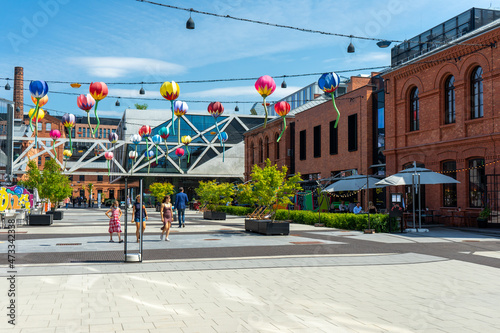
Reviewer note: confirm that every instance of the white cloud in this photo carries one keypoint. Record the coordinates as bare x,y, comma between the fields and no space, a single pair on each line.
127,93
113,67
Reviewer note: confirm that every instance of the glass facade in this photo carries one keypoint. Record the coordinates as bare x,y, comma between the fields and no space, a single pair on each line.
477,183
443,33
450,190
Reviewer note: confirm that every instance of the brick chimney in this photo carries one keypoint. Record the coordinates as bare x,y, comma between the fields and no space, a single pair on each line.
18,92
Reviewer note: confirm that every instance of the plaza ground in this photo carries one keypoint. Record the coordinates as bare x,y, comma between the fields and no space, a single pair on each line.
214,277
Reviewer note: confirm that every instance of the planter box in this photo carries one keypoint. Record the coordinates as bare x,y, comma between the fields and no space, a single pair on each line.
57,215
267,227
41,219
482,223
210,215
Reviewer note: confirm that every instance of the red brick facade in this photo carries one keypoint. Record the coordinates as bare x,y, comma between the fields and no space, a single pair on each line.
436,142
260,144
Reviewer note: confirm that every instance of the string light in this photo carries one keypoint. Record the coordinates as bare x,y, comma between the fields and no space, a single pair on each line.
191,10
214,80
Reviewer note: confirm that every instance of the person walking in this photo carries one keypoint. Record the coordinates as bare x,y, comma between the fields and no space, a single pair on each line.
167,215
114,214
137,217
181,199
66,201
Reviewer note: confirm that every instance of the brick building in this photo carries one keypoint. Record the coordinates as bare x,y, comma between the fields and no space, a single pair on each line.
313,147
440,109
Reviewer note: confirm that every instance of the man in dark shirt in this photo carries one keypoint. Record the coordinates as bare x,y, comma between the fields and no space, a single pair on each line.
181,199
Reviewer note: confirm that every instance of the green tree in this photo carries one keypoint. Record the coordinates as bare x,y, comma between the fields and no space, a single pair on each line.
271,188
245,195
213,194
141,106
160,190
51,183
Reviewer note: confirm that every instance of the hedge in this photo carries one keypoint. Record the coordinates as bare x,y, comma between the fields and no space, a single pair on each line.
378,222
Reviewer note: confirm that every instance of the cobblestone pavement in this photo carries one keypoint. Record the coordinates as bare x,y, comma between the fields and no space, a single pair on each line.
214,277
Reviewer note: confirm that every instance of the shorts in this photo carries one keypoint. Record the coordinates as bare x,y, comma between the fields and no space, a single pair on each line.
137,220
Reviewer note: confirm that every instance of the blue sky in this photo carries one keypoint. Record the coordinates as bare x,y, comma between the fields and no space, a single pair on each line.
130,41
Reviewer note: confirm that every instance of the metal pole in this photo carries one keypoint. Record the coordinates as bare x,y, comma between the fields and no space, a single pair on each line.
419,203
140,220
125,219
413,197
368,199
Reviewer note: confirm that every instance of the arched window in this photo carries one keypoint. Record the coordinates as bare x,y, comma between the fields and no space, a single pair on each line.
261,152
476,93
414,110
277,147
449,100
267,147
252,154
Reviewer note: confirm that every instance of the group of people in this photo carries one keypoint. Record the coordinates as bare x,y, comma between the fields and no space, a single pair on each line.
166,212
354,208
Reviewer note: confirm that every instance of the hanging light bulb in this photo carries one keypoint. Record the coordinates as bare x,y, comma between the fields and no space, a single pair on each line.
7,86
236,109
142,91
350,48
190,22
117,102
283,84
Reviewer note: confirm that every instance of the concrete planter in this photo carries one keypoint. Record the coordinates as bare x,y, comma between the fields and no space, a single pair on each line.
482,222
41,219
210,215
267,227
57,215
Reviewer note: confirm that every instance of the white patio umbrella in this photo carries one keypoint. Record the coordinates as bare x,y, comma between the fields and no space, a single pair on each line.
417,176
406,177
355,183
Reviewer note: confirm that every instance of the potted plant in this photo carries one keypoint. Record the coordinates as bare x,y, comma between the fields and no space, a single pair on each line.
52,185
159,191
271,188
212,195
484,215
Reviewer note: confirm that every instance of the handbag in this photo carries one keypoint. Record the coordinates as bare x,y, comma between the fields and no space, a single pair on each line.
174,216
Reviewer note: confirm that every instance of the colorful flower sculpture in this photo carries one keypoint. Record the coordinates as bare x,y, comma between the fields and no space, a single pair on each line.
42,100
68,121
148,154
136,139
86,103
38,114
216,109
113,137
223,136
66,155
156,140
165,133
38,90
54,134
180,109
98,90
329,82
145,132
282,109
265,85
179,152
170,91
132,155
108,156
186,140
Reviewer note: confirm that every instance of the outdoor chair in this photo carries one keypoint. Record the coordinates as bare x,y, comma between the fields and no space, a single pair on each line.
256,212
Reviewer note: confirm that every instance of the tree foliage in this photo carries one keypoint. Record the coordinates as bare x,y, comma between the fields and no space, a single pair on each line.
213,194
160,190
244,194
141,106
271,188
50,182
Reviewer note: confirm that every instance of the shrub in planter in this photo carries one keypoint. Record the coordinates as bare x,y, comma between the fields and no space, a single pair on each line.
213,194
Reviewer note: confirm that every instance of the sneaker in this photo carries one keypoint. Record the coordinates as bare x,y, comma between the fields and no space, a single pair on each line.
161,236
121,241
167,240
183,225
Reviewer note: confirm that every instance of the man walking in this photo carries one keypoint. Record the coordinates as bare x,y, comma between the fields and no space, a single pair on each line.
181,199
